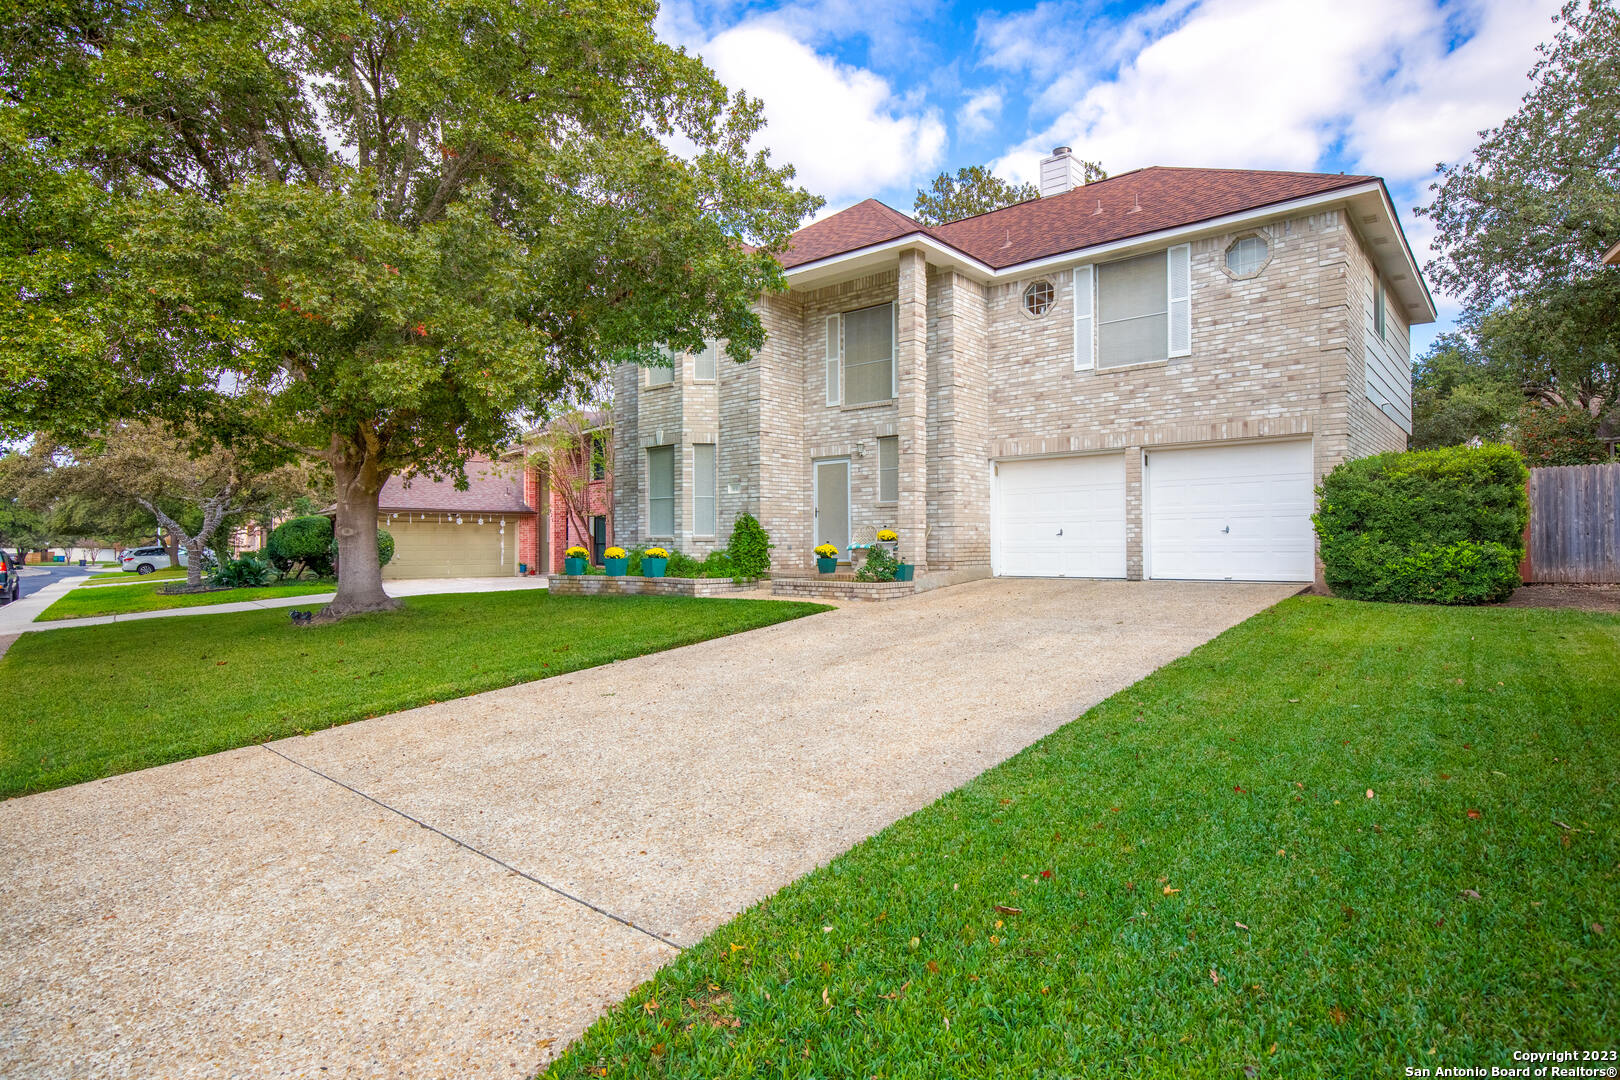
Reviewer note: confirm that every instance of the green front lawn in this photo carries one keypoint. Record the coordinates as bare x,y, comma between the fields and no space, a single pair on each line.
1340,839
86,702
129,577
85,601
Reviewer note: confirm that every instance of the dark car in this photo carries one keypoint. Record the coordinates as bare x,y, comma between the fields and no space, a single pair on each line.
10,583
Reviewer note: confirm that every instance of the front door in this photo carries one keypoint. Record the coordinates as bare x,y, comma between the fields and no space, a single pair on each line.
831,524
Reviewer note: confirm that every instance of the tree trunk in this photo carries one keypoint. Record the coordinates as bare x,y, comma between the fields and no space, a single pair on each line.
358,483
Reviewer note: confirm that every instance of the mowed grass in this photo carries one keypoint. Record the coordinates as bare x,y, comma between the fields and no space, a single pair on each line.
128,577
1338,840
87,702
85,601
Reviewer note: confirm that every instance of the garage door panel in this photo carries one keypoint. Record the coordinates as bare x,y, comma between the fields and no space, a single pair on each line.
431,549
1061,517
1238,512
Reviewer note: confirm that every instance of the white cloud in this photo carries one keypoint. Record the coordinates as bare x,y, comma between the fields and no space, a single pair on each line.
1282,83
842,127
979,113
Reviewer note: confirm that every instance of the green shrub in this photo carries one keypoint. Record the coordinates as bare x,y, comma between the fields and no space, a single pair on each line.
879,565
245,572
749,549
1429,526
299,544
716,564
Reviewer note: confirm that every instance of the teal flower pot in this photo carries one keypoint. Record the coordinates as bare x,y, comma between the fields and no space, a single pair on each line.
904,571
827,566
573,567
618,567
653,567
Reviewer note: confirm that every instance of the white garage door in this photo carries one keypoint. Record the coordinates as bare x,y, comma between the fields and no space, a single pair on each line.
428,549
1060,517
1234,512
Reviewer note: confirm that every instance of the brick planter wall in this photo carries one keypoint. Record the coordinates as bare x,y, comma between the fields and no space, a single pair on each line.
840,588
601,585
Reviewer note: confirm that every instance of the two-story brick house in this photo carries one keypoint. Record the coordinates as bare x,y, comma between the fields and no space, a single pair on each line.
1140,377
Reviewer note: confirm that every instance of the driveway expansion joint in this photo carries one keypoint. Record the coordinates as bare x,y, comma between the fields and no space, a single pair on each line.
566,895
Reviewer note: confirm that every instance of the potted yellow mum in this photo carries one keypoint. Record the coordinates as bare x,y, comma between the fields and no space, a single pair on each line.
827,558
903,571
575,560
617,560
654,561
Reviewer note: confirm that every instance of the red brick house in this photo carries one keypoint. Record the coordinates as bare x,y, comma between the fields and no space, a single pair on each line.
576,508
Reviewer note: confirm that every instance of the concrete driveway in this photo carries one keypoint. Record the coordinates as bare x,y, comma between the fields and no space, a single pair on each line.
457,890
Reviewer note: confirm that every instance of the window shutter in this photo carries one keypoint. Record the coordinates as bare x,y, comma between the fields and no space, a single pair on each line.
832,360
1180,269
1082,318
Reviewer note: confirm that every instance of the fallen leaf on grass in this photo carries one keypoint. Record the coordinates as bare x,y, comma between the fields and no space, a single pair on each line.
650,1006
1597,928
1469,894
1046,873
826,998
1338,1015
1239,925
1239,790
933,968
1474,814
1369,793
1168,891
1005,910
1214,977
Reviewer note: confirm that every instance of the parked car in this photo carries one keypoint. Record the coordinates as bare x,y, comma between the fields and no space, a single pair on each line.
144,560
10,583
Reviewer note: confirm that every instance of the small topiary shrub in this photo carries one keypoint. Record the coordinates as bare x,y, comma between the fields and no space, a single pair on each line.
249,571
749,549
1429,526
299,544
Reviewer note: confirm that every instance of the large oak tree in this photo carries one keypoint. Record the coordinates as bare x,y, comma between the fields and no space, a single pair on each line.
380,234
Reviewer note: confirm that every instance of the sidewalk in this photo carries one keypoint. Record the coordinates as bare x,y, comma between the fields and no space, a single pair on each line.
19,617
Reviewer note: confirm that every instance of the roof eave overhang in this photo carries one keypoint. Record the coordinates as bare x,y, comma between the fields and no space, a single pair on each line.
1397,264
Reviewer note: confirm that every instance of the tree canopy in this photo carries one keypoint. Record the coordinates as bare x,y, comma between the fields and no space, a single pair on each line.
976,190
1523,223
379,235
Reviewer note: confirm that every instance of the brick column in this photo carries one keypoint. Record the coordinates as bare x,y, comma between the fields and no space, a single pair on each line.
911,377
1133,513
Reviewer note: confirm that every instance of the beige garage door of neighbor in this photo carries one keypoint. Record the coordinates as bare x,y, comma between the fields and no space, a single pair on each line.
430,549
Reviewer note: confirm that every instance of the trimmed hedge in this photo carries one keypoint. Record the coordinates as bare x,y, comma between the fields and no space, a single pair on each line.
1428,526
307,543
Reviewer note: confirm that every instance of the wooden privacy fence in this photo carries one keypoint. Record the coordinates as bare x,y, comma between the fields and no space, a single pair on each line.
1574,531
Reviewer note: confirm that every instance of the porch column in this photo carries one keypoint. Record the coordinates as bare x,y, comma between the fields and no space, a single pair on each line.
911,379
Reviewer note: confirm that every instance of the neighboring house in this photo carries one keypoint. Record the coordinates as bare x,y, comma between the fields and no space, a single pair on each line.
577,503
442,532
1612,256
1140,377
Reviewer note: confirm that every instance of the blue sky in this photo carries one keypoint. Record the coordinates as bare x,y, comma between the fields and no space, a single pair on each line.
875,97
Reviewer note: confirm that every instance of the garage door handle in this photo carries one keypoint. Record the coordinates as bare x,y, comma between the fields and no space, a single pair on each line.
1227,529
1060,532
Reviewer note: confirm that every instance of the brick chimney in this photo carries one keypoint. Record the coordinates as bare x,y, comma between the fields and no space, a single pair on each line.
1060,172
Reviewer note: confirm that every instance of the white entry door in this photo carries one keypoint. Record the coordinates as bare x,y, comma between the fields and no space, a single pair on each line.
1060,517
831,520
1240,513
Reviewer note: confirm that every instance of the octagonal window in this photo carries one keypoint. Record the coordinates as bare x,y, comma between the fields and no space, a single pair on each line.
1039,297
1247,255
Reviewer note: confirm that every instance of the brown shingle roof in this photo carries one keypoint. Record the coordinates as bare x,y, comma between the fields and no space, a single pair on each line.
487,492
1132,204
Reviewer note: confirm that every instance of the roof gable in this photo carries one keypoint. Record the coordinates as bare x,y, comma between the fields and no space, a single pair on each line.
488,491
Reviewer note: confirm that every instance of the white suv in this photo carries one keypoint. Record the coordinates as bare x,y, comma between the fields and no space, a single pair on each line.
144,560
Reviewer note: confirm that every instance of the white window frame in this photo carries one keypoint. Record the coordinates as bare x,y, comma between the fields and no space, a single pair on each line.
711,356
656,376
651,533
713,498
894,363
894,441
1178,310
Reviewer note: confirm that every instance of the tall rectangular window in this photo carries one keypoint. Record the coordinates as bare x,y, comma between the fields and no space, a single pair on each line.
869,355
661,375
1133,311
661,491
888,469
599,452
703,485
705,363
